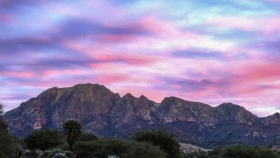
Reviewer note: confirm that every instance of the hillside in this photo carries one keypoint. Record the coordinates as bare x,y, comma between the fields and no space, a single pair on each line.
108,114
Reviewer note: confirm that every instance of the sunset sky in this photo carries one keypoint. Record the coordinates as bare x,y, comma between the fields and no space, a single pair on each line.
210,51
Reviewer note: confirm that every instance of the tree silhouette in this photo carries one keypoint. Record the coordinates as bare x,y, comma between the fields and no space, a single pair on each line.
72,129
43,139
166,142
1,110
7,144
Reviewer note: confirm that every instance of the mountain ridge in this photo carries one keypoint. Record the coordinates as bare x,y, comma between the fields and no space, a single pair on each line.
106,113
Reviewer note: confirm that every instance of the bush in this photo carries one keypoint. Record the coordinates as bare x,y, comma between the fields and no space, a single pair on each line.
166,142
116,147
246,151
56,153
236,151
43,139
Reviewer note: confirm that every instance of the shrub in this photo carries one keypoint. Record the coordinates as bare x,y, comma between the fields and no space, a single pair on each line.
56,153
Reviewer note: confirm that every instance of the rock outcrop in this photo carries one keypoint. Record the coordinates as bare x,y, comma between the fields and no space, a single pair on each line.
107,114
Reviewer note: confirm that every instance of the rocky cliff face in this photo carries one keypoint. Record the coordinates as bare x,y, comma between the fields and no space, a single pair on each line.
107,114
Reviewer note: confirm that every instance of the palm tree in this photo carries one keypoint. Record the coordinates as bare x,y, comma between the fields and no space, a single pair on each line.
71,129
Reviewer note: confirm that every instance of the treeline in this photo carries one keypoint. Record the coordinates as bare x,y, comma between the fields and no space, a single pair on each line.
86,145
72,142
236,151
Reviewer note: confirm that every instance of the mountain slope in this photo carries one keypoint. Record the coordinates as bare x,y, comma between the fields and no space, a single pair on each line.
107,114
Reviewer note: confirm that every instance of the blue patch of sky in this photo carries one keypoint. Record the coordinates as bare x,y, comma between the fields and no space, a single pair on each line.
241,56
74,28
197,13
27,22
271,48
237,35
197,55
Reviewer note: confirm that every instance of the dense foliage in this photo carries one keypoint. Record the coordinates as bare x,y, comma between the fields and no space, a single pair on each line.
115,147
159,138
43,139
8,146
6,141
85,136
236,151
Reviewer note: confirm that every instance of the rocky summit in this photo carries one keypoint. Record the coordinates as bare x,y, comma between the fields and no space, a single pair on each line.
108,114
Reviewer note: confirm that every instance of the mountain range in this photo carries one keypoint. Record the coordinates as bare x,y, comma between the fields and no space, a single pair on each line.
106,113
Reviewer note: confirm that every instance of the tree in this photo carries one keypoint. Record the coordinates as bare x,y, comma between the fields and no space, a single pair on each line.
43,139
85,136
166,142
1,110
144,149
71,129
7,145
18,150
6,141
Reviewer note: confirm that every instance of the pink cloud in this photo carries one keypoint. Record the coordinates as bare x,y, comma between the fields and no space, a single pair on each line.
115,38
271,25
158,27
257,71
112,78
19,74
104,52
130,58
166,29
7,18
47,73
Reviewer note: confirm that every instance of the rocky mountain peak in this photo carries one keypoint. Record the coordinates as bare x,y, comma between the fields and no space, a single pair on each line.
142,97
56,105
129,96
105,113
272,119
229,106
236,114
173,109
172,99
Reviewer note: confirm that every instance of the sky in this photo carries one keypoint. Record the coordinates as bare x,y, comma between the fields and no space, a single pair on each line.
210,51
